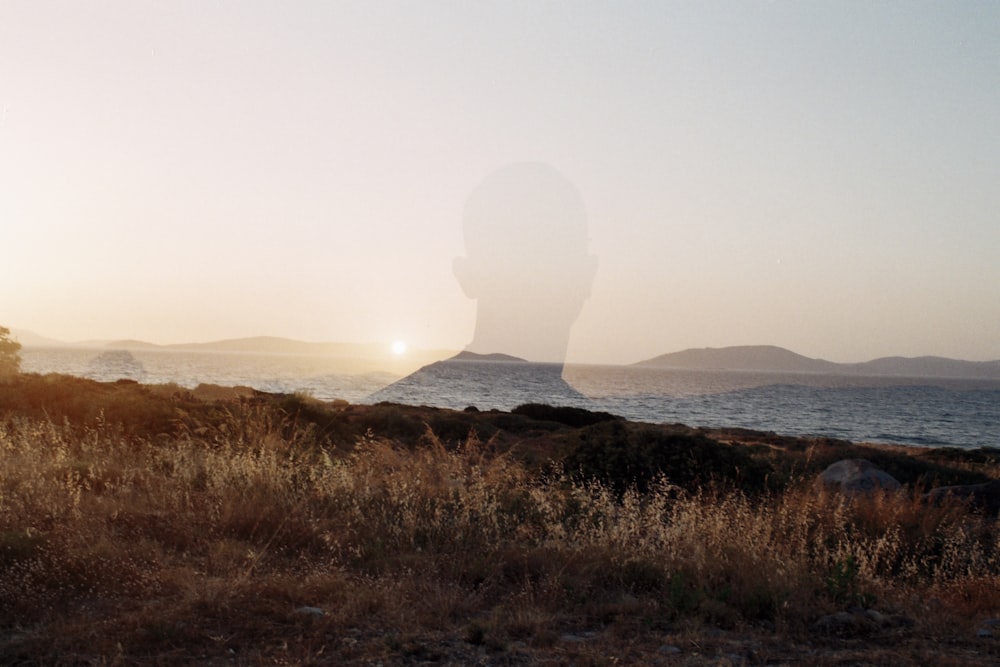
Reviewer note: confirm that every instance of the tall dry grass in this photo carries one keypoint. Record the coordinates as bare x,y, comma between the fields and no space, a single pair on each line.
222,531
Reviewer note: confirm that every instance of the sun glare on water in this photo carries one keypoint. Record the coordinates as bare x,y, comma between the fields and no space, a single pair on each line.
399,347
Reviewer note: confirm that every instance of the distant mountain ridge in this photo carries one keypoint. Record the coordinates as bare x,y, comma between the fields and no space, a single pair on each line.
278,345
758,358
773,359
31,339
253,345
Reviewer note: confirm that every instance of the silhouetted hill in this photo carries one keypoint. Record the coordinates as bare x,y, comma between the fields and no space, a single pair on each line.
929,367
742,358
277,345
31,339
131,344
259,345
769,358
465,355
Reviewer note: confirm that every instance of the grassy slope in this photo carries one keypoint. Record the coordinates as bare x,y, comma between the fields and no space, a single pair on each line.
154,524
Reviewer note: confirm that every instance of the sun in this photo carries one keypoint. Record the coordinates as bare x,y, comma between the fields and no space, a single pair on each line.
399,348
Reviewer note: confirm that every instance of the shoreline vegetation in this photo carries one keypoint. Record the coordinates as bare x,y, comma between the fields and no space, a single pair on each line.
153,524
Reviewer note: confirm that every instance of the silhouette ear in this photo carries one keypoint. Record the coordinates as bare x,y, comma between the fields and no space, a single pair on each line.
465,274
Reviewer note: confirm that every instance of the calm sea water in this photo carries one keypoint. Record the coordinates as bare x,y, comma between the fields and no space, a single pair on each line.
915,411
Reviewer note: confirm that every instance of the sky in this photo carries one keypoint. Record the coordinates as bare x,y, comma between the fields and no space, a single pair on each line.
816,175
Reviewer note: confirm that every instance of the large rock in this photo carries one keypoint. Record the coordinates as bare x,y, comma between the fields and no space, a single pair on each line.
856,477
984,497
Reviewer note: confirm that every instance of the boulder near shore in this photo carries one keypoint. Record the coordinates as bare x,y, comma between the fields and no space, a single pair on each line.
856,477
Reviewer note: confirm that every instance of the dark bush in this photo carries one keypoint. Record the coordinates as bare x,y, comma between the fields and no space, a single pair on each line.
623,455
575,417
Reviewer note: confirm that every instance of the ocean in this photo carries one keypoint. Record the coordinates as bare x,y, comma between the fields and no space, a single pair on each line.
930,412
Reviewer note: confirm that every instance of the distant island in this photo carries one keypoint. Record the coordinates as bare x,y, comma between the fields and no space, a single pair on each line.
465,355
773,359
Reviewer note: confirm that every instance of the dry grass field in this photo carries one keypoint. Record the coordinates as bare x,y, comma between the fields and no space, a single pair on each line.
155,525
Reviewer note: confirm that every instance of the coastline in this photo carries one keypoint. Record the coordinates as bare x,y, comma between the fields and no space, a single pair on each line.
919,411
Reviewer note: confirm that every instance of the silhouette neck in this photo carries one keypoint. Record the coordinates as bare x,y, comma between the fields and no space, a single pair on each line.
528,336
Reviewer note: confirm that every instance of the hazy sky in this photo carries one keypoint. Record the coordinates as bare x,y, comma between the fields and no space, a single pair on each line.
821,176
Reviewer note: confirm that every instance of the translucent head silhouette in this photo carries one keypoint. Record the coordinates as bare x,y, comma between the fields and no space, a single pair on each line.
527,261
